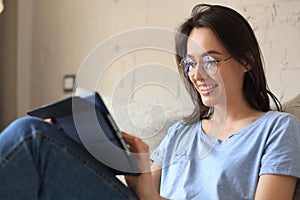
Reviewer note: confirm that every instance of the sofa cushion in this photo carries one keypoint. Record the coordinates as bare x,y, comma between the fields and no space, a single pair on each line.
292,106
149,122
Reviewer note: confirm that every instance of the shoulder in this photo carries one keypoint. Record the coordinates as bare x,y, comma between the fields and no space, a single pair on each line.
179,134
281,145
280,115
276,114
280,127
180,129
276,118
273,127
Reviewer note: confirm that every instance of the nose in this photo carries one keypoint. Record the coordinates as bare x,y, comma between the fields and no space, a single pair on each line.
200,74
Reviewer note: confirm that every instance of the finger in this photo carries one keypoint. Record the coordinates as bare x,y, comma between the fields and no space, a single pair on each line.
141,151
128,138
136,144
49,120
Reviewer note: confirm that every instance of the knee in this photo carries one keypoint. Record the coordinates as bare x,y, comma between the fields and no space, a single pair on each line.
25,126
18,131
34,129
26,121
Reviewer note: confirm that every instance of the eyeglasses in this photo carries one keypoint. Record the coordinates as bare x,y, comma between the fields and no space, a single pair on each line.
208,63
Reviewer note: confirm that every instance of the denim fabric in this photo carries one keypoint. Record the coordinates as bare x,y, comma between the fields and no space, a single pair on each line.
38,161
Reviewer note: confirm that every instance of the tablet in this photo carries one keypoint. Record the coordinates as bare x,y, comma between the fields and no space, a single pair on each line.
88,122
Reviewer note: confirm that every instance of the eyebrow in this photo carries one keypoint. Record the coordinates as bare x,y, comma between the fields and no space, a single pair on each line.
211,52
206,53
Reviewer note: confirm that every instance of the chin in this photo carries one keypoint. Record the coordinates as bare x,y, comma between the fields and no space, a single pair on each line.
214,98
207,101
210,101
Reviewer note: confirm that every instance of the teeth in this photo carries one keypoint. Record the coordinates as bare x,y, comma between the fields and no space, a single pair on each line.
208,87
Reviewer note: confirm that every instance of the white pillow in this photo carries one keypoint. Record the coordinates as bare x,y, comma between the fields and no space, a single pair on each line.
292,106
149,122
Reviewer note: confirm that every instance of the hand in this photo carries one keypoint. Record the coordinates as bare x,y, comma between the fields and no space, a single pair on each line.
49,120
52,121
142,185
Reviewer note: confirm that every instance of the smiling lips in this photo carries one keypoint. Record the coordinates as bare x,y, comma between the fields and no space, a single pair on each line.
206,89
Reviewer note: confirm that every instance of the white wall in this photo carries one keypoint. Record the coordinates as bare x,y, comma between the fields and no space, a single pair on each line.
65,31
8,64
24,55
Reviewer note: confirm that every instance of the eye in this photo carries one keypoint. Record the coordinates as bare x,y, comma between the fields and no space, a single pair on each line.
187,63
209,64
208,61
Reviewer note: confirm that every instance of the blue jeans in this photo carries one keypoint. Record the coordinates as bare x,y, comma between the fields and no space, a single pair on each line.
38,161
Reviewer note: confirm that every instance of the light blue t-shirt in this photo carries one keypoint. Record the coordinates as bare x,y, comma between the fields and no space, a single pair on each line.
196,166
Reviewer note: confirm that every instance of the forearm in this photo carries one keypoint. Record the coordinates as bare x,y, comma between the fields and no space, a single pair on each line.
143,185
275,187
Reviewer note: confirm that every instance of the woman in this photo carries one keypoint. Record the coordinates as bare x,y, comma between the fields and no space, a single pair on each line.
231,147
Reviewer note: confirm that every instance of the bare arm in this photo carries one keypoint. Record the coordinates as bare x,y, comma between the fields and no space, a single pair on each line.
275,187
143,185
156,174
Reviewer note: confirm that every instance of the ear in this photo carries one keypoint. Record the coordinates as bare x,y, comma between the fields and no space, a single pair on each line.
248,61
247,66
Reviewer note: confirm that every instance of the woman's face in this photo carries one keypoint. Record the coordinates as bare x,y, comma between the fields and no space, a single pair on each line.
226,85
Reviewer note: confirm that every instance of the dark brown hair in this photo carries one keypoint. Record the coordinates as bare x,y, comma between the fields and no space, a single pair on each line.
239,40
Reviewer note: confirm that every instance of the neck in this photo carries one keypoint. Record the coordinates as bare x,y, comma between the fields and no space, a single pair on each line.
233,114
231,117
233,109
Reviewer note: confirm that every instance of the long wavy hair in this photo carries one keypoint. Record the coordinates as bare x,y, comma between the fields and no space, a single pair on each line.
239,40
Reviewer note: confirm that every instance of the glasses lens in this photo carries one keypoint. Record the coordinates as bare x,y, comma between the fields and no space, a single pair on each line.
187,65
209,65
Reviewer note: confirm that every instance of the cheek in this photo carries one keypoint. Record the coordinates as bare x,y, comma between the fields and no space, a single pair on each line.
232,78
194,82
222,82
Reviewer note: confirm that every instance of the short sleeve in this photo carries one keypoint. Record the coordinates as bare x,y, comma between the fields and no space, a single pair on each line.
282,149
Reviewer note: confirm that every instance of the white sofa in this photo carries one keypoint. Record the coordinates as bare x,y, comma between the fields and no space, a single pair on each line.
293,106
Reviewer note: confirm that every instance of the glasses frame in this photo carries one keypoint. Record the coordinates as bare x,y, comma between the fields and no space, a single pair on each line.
196,63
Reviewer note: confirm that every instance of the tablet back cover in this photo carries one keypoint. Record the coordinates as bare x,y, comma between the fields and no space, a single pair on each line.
85,120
